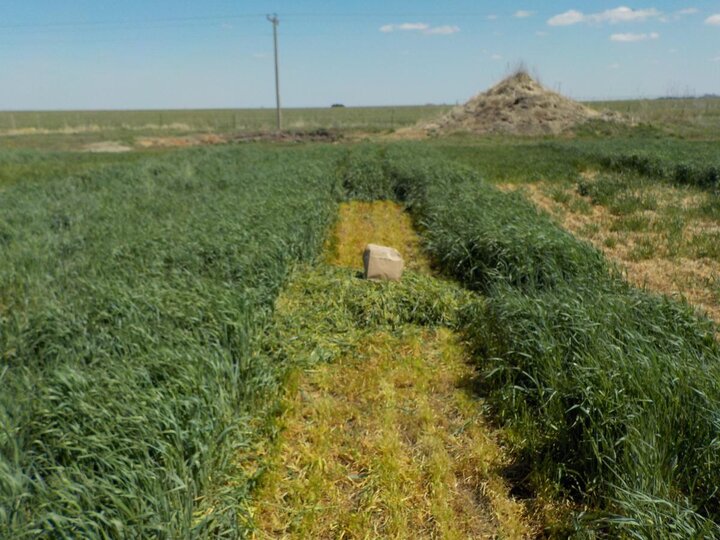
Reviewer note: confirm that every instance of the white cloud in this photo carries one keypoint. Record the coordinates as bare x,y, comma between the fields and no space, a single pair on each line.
496,57
679,14
404,27
442,30
625,14
630,38
420,27
614,66
567,18
522,14
260,55
492,17
413,26
540,33
713,20
716,59
613,16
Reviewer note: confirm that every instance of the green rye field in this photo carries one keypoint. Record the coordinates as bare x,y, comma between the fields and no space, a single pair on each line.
159,307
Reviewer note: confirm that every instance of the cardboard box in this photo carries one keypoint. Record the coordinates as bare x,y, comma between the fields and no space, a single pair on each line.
382,263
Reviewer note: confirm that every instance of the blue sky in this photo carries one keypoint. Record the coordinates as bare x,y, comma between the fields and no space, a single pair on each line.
98,54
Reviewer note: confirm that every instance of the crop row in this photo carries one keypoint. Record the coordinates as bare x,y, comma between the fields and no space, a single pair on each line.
702,175
131,300
613,391
684,163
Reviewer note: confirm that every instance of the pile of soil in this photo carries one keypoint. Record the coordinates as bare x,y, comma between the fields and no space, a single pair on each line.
519,105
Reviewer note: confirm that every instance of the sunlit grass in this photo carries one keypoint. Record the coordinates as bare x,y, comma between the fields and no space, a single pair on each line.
381,222
384,438
386,442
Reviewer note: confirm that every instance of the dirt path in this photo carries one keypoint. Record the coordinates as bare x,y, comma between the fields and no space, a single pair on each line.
386,441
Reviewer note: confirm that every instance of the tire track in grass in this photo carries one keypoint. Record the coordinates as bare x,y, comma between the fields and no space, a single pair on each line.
380,435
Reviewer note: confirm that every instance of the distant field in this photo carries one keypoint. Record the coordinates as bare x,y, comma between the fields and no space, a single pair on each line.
688,117
216,120
697,118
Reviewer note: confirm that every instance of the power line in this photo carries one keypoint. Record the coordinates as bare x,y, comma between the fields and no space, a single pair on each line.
122,22
215,18
81,29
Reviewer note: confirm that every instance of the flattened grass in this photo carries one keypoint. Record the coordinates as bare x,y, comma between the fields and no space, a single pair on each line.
380,222
382,436
385,442
665,237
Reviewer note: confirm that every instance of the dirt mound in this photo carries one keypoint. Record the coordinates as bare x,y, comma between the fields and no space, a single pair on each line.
518,105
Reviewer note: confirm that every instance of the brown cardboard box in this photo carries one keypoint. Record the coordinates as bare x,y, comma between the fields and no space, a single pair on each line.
382,263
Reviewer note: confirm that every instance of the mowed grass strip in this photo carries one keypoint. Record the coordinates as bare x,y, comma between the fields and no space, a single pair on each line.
387,443
384,440
380,222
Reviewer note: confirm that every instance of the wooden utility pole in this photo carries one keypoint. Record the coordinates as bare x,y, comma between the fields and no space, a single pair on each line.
275,22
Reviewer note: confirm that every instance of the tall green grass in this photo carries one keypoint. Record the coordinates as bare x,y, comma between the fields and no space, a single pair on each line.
699,172
29,166
613,392
660,159
134,299
676,161
131,302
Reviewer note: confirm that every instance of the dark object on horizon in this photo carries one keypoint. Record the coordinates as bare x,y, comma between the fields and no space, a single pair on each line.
337,106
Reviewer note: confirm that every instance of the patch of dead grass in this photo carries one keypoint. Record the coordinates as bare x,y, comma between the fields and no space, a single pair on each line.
648,258
112,147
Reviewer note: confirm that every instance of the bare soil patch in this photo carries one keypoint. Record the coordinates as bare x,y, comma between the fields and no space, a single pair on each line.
180,142
109,147
205,139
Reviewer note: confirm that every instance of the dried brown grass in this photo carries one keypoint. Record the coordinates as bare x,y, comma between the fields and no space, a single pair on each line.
660,267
